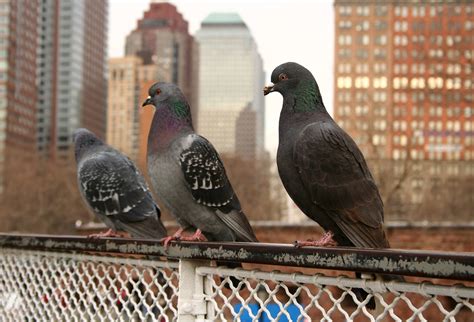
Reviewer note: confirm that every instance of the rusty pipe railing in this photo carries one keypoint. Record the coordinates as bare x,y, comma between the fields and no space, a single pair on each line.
435,264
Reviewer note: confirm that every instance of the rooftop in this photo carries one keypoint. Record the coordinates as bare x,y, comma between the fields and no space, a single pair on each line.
223,18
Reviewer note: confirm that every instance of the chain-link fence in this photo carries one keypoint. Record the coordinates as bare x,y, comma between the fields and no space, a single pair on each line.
50,286
263,296
74,279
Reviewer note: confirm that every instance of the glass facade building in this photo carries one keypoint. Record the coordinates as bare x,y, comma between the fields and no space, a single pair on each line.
231,78
71,72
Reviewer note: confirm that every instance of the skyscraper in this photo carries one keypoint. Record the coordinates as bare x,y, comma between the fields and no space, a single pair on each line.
126,120
231,79
403,85
18,30
123,105
161,38
71,72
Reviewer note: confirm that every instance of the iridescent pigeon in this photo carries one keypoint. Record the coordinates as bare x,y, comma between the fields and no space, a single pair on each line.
113,188
321,167
188,175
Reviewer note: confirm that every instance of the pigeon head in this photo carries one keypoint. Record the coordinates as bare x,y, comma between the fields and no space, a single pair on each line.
292,79
169,96
84,141
287,77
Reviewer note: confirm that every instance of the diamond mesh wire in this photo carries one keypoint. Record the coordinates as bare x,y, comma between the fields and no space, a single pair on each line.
274,296
53,286
49,286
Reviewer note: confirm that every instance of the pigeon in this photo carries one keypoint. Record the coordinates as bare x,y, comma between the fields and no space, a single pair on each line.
188,175
321,167
114,189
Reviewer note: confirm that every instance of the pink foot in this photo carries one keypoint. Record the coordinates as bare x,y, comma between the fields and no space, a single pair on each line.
168,239
108,233
326,240
198,236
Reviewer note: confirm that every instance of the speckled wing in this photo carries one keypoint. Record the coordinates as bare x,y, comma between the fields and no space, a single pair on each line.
113,187
336,176
206,177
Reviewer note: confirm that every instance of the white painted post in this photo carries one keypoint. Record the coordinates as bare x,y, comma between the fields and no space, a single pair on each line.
208,291
191,304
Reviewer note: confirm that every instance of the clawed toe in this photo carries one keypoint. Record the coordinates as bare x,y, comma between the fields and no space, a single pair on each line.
166,241
198,236
325,241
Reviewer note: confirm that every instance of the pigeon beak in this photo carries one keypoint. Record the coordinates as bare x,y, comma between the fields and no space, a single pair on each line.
148,101
268,89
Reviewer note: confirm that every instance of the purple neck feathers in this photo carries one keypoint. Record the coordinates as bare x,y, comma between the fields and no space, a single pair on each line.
165,127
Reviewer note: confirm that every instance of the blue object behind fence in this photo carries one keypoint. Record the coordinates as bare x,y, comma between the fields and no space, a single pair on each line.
293,311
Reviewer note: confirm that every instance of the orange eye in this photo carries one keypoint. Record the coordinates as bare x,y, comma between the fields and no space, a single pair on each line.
158,91
282,77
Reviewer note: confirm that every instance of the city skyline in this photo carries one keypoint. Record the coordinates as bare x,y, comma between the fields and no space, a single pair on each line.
265,20
159,48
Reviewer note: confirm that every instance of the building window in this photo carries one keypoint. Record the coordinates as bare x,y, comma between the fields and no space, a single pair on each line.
362,82
345,10
363,10
380,82
401,11
381,10
344,53
401,26
363,40
344,82
380,96
362,26
345,40
345,24
380,25
380,53
378,139
381,40
362,54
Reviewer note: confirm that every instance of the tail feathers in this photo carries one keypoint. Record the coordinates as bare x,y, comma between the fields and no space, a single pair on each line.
149,228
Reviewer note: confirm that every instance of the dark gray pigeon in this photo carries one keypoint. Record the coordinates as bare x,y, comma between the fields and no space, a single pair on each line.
114,189
188,175
321,167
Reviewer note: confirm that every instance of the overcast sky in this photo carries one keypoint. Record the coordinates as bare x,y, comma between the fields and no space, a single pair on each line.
285,30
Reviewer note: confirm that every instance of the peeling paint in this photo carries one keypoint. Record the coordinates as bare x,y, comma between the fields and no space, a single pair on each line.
404,262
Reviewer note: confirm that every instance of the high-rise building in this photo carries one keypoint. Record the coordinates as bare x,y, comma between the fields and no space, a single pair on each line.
404,89
231,79
161,38
403,78
123,105
18,95
71,72
127,124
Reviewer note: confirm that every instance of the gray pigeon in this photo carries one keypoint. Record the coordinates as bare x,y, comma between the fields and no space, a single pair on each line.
188,175
114,189
321,167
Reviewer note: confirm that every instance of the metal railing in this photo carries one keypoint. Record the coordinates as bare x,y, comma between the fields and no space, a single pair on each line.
73,278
